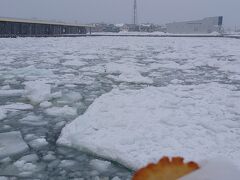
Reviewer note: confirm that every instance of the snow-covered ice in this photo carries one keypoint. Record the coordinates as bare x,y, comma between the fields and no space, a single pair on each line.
11,143
135,127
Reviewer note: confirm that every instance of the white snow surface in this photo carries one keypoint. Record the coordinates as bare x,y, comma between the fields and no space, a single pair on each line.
135,127
11,143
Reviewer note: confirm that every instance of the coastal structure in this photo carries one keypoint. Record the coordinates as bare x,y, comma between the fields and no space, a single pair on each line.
24,27
204,26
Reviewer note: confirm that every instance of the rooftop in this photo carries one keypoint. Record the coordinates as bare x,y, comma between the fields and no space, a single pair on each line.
36,21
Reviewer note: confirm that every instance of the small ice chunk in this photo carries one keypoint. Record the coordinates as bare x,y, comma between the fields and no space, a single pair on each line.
56,95
25,166
11,93
11,143
176,81
5,160
70,85
7,87
3,178
37,91
49,157
33,120
100,165
45,104
38,143
6,127
18,106
116,178
30,158
96,177
67,163
61,111
3,113
76,62
74,96
30,137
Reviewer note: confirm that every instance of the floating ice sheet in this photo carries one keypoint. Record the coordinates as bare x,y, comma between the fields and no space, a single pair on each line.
135,127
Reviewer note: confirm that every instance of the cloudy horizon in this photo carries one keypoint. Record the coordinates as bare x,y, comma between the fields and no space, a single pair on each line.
116,11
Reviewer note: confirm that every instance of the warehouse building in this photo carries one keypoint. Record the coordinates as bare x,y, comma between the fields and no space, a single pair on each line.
204,26
23,27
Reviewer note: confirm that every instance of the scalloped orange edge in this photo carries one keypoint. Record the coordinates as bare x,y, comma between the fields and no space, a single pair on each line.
166,169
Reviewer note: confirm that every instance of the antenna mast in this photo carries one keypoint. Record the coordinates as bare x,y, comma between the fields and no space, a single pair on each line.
135,12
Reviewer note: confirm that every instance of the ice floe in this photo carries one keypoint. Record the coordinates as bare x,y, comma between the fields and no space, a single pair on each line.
61,111
11,143
135,127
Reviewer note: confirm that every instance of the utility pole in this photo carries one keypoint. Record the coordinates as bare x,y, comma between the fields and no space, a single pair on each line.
135,13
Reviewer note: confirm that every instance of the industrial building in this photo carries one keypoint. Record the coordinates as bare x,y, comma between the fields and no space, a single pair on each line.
23,27
204,26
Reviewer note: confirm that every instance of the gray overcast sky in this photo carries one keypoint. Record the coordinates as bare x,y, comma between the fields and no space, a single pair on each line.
120,11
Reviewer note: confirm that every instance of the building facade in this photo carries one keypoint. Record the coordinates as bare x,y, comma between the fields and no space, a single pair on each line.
21,27
204,26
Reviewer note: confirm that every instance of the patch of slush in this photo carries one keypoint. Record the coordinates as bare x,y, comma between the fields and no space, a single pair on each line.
135,127
12,143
